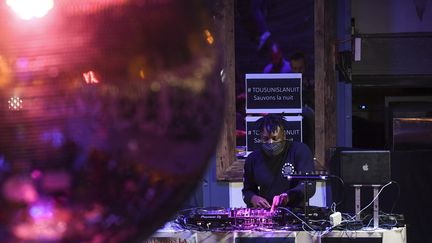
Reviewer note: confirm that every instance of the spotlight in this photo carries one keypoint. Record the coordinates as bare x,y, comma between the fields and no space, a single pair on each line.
28,9
15,103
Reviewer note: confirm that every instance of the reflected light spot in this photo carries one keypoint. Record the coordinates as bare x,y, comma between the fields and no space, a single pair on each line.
223,75
5,71
95,214
209,37
15,103
29,193
46,223
42,210
22,64
90,77
36,174
3,164
56,181
28,9
18,189
142,74
54,137
155,86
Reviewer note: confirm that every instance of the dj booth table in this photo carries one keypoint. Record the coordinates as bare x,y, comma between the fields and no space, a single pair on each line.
395,235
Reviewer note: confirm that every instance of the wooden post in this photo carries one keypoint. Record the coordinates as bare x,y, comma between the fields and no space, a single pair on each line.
225,155
325,79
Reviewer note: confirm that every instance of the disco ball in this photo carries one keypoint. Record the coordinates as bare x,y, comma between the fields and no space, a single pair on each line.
109,112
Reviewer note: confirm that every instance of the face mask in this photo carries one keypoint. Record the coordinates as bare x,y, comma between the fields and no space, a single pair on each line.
273,149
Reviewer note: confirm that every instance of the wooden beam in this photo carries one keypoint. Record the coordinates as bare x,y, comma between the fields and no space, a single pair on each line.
228,168
325,80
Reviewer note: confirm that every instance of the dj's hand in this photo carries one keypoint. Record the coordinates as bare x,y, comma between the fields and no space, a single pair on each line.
279,200
259,202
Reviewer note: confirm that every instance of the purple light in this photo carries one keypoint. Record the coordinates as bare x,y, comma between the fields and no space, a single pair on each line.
41,210
36,174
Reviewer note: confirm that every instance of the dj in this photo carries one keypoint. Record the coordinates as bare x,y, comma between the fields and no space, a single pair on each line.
263,181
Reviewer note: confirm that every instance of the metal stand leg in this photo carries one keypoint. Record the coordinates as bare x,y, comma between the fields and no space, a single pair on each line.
306,200
376,207
357,201
375,203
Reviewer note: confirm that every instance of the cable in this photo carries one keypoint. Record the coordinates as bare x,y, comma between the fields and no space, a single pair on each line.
382,225
333,207
303,222
329,229
370,221
316,233
343,189
389,225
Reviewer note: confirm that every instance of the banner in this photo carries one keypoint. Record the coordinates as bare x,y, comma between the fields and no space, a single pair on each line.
273,93
253,137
